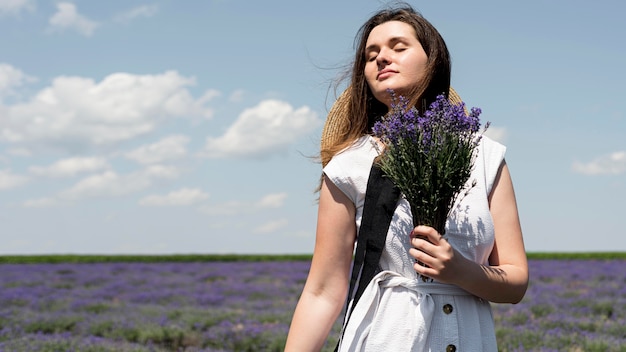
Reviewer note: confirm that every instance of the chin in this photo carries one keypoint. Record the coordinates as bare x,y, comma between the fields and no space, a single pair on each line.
385,97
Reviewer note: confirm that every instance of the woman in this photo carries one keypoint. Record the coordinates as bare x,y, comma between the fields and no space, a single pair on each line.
480,260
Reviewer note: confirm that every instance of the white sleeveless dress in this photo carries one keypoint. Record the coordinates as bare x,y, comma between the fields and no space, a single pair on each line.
399,312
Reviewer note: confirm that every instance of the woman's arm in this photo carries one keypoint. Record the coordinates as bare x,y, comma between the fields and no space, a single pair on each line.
506,278
326,287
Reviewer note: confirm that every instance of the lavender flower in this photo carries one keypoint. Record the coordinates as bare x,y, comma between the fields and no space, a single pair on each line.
429,156
574,303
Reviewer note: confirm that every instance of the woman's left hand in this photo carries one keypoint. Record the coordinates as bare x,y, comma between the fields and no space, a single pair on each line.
441,261
505,278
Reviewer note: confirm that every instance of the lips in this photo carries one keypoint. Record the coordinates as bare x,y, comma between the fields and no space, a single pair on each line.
385,73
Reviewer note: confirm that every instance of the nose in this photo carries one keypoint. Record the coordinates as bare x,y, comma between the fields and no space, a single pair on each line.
384,57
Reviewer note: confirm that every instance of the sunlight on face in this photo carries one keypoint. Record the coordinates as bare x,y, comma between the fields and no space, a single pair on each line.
395,59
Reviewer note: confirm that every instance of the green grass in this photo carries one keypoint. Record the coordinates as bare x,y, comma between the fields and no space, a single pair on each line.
98,258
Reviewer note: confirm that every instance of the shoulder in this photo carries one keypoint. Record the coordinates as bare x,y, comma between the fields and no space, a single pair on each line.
349,169
364,147
489,159
491,147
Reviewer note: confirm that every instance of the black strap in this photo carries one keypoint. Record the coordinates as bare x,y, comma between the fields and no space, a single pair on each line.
381,198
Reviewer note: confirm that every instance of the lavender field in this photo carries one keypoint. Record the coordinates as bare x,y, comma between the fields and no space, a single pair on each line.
571,305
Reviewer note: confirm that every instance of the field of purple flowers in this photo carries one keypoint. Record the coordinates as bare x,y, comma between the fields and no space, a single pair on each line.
571,305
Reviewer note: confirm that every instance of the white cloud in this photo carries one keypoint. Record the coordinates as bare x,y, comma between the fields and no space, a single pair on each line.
71,166
161,171
10,180
267,128
14,7
112,184
67,17
169,148
106,184
271,226
498,134
612,164
273,200
11,77
137,12
76,112
208,96
185,196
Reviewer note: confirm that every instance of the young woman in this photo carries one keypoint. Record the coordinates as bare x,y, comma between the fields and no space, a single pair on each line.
481,259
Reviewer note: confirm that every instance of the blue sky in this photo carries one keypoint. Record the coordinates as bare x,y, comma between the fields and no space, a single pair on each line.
189,127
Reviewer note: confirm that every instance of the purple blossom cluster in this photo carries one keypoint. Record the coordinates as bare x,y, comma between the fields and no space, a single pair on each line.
429,156
402,123
572,305
453,116
443,120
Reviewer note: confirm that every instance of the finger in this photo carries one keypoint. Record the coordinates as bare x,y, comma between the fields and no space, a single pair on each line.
422,244
421,256
418,256
425,273
428,232
424,264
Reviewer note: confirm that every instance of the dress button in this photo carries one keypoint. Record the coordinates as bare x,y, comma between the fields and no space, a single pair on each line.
451,348
447,308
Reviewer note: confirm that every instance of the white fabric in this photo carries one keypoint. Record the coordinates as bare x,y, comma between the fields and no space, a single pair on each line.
398,312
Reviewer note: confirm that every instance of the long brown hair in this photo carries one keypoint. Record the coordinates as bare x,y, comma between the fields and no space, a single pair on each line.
362,108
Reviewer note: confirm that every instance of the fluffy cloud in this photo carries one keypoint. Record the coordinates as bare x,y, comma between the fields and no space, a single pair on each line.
612,164
108,183
275,200
169,148
71,167
270,201
11,77
67,17
10,180
182,197
266,128
112,184
161,171
14,7
76,112
137,12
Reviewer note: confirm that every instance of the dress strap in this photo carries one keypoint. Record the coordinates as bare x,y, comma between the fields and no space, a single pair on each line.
381,199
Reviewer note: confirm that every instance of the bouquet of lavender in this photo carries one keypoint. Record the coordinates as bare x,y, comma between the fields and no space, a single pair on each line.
429,156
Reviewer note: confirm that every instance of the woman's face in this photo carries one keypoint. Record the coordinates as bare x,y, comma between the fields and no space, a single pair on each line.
394,59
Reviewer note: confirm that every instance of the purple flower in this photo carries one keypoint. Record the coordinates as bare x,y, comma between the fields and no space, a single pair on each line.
429,155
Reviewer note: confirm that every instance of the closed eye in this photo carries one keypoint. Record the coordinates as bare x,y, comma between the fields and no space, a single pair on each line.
371,55
400,47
